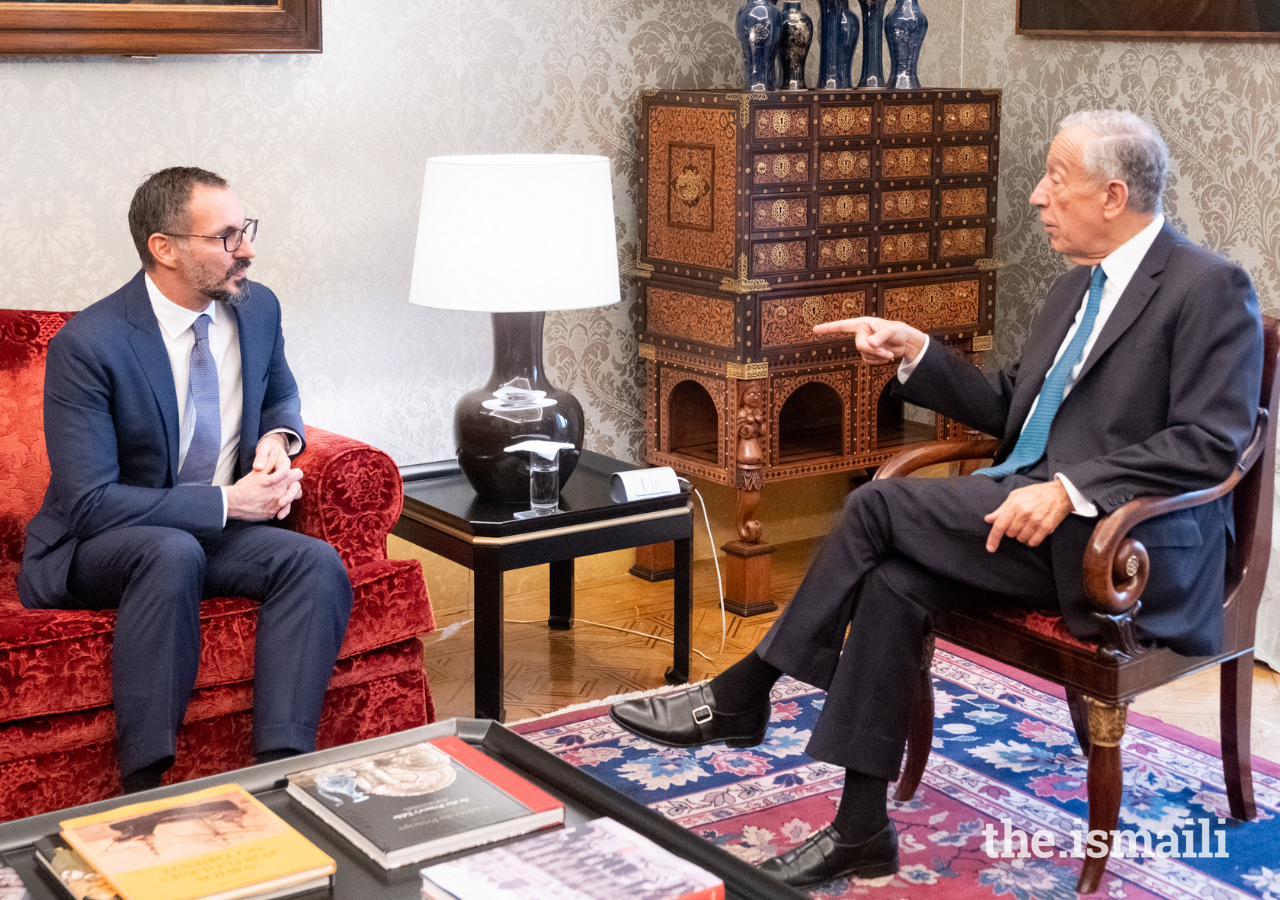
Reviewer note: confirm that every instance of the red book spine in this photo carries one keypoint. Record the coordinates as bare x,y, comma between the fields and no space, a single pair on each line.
496,773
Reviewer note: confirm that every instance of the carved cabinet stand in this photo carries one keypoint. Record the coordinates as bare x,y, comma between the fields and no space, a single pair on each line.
764,214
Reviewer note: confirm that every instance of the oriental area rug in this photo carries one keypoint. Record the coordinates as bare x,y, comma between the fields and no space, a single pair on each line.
1001,809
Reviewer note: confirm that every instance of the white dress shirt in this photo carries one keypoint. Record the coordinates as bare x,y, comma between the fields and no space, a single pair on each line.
1119,266
224,344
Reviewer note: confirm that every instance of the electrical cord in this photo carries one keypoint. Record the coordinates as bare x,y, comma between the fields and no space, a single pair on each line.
724,629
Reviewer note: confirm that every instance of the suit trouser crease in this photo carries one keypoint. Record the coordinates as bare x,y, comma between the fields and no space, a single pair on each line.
156,578
901,549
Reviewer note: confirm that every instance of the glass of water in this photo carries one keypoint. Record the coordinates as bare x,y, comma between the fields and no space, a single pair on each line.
544,483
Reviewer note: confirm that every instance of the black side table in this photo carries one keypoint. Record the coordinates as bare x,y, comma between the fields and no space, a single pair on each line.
443,514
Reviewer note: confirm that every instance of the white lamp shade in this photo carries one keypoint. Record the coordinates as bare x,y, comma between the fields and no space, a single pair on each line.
520,233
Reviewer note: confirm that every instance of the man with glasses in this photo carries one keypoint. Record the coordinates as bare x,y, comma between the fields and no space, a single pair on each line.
170,419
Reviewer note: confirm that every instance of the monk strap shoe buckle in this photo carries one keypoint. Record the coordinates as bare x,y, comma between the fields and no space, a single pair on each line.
702,715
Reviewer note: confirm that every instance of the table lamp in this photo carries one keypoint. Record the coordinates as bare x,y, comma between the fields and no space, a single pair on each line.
515,236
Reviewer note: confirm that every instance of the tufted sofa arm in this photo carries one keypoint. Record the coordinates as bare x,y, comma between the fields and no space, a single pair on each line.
351,496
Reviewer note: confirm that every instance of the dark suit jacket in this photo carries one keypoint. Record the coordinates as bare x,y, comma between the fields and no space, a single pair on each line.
111,428
1164,404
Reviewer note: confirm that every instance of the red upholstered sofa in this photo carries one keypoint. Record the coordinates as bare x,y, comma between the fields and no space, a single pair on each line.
57,730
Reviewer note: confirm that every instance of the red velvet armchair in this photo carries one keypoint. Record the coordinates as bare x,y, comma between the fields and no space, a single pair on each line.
57,729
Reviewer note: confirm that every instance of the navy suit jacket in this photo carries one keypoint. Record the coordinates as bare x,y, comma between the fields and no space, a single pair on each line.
1164,404
111,428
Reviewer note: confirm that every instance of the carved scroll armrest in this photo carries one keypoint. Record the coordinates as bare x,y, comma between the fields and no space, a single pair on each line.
1116,566
918,456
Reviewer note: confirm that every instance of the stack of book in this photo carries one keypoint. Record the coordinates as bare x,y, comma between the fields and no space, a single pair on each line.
217,844
398,807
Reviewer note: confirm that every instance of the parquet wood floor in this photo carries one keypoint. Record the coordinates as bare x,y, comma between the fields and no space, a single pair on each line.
547,670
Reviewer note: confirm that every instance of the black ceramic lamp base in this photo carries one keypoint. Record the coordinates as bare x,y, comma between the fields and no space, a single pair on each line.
517,404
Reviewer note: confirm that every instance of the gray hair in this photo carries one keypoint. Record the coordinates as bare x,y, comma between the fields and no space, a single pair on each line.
1124,148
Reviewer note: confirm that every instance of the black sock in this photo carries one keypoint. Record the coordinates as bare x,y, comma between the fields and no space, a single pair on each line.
147,777
862,810
269,756
744,685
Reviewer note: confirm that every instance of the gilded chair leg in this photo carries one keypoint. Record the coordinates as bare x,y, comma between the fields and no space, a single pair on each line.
1106,785
919,730
1079,718
1236,697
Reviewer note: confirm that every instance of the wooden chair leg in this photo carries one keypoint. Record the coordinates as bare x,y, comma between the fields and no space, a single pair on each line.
1079,718
1236,697
920,729
1106,785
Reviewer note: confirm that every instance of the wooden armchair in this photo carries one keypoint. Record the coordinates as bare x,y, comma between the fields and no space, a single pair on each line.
1101,679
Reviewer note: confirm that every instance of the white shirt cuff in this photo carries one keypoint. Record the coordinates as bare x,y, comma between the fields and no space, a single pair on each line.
906,368
224,504
295,442
1082,507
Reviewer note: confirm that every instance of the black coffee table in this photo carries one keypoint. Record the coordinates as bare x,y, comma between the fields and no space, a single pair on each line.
358,878
443,514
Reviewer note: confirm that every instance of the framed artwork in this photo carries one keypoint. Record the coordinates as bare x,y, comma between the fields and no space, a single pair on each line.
1157,19
151,28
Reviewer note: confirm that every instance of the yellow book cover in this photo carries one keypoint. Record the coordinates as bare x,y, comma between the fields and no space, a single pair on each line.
215,844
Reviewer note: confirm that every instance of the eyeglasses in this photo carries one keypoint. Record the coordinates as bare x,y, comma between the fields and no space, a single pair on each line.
231,240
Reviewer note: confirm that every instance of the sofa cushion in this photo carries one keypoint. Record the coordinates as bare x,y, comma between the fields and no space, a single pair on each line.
24,463
58,661
65,760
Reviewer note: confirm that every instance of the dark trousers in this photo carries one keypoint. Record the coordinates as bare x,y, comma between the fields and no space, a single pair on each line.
156,578
902,548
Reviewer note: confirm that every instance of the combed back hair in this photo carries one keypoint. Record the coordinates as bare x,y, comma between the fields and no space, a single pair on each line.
160,205
1124,148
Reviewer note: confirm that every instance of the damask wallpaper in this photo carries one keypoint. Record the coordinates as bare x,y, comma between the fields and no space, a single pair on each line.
328,150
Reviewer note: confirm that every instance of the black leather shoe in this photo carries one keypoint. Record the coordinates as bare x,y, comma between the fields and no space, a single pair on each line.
824,857
689,718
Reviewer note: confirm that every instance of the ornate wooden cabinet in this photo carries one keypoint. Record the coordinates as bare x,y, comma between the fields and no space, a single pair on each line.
763,214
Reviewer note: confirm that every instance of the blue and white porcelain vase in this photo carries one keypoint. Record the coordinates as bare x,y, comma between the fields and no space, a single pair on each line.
904,29
759,26
837,39
793,51
872,43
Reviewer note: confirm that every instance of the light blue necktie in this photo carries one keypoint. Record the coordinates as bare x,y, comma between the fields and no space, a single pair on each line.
1035,435
206,441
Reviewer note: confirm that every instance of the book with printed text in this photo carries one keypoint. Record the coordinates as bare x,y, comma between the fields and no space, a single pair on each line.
217,844
601,860
421,801
77,879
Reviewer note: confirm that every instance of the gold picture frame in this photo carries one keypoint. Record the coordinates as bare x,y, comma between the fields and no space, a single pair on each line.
111,27
1168,20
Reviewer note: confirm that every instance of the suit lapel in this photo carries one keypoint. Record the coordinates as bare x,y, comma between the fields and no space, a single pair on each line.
252,369
148,347
1059,312
1134,299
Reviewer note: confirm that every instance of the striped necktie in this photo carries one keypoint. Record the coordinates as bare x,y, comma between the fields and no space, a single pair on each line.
1035,435
206,440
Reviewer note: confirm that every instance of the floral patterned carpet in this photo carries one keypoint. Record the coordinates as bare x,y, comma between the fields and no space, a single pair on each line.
1004,752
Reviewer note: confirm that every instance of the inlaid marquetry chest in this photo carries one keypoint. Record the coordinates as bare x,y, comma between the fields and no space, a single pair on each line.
763,214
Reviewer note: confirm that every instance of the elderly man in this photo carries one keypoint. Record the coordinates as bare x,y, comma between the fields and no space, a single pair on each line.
170,418
1140,377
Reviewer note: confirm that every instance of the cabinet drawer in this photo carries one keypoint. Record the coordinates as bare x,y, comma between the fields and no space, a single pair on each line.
907,118
969,116
844,209
774,257
946,305
779,213
781,168
844,252
966,202
844,165
845,120
774,123
906,205
966,159
906,162
902,248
